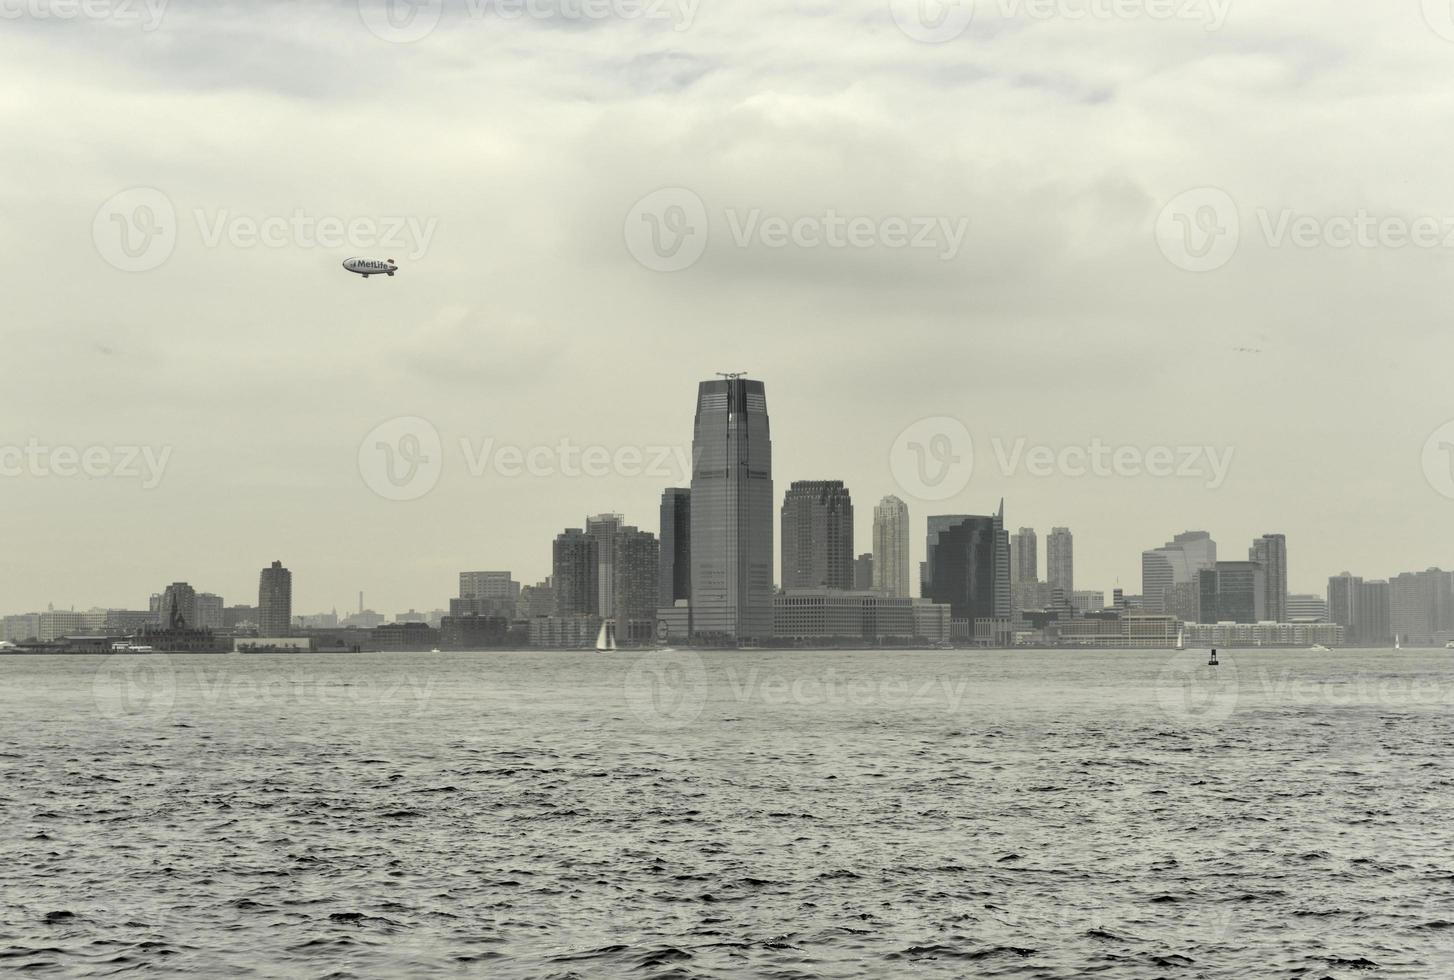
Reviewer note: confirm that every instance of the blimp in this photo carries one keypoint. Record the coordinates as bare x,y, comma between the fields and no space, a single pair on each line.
371,267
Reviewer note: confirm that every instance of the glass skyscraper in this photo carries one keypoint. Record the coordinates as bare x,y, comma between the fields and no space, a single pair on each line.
676,546
732,512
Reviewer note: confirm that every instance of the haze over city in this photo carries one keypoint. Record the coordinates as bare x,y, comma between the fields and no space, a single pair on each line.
514,158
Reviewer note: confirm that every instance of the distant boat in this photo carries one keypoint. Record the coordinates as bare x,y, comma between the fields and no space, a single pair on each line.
1181,639
606,641
1319,648
435,650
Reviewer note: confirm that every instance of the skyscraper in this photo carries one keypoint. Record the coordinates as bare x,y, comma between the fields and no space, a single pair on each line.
637,583
1271,551
891,548
961,569
603,528
817,518
1060,560
1233,592
573,571
1343,601
1421,604
1176,563
732,504
1024,556
275,601
675,576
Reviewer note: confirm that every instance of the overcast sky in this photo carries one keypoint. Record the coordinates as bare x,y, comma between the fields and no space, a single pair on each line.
886,219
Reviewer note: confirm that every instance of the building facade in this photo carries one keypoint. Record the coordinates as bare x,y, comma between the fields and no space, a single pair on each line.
732,512
1270,551
891,549
817,536
675,575
1060,560
275,601
574,569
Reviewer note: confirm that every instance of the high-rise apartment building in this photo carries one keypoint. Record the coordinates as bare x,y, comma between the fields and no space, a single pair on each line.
574,565
275,601
1271,551
1060,560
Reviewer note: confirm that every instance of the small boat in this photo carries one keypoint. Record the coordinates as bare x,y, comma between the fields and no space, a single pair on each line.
435,650
1319,648
606,641
1214,662
1181,639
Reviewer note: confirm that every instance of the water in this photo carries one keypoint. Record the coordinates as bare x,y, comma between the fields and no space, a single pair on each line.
791,815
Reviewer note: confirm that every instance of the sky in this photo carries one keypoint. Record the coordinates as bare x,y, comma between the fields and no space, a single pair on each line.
1135,266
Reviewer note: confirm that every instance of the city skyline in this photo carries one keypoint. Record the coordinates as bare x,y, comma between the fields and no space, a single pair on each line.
1298,577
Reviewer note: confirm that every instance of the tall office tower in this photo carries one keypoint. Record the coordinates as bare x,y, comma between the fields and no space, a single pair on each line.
1060,560
1375,615
1002,565
1271,551
1233,592
891,548
1175,563
638,583
675,575
1343,601
179,606
960,571
275,601
209,611
574,570
1421,604
604,529
1024,556
732,505
863,572
817,518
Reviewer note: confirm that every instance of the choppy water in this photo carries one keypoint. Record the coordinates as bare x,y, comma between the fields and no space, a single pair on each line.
791,815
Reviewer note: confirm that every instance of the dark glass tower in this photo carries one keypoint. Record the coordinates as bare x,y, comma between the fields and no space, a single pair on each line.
968,566
732,512
676,545
817,536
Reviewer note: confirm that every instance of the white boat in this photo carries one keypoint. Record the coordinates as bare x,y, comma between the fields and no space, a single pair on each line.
1319,648
435,650
1181,639
606,640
